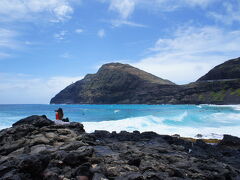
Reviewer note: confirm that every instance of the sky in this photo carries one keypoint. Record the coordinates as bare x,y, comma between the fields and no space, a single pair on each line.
47,45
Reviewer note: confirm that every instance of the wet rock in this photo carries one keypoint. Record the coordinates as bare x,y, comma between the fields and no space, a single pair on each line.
131,176
59,155
199,136
72,146
39,139
83,170
98,176
151,175
103,151
75,158
33,164
229,140
41,148
85,150
38,121
5,169
15,175
135,161
149,135
101,134
9,147
66,152
52,174
76,127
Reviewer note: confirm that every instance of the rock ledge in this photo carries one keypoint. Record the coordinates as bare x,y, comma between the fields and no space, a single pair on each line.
36,148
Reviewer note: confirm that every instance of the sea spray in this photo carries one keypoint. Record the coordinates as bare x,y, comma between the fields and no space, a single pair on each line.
187,120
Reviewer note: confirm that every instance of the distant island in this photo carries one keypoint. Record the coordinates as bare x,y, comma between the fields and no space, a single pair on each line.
117,83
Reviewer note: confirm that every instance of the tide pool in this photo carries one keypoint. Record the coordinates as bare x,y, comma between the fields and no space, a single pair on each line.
212,121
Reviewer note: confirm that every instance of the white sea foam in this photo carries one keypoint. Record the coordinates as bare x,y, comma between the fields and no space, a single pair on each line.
235,106
180,117
152,123
116,111
225,118
7,121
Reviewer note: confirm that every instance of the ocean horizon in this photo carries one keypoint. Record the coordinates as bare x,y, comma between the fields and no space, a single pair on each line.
210,121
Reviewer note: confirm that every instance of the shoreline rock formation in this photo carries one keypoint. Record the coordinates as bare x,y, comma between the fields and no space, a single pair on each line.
117,83
36,148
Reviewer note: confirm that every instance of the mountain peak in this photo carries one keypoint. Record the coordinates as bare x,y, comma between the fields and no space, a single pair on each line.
113,83
227,70
117,83
126,68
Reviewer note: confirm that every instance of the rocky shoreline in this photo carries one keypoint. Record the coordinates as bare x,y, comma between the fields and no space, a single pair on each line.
36,148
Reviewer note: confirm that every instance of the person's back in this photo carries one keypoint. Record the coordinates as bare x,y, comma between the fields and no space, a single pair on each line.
57,116
60,113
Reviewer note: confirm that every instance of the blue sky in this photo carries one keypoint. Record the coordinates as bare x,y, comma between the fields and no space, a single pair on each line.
47,45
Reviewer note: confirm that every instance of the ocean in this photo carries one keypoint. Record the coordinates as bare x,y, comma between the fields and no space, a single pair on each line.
211,121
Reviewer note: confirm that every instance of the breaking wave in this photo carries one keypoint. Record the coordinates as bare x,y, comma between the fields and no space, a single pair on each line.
156,124
234,107
211,121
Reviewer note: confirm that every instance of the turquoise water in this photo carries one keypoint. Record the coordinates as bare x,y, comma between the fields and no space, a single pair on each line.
211,121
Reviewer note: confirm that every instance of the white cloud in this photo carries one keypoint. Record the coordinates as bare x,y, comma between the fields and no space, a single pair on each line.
20,88
53,10
61,35
101,33
194,40
7,42
125,8
231,14
190,53
120,22
63,12
201,3
4,55
171,5
78,31
7,38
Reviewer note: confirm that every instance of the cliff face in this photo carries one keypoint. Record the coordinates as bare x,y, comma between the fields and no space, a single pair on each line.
210,92
114,83
221,85
228,70
117,83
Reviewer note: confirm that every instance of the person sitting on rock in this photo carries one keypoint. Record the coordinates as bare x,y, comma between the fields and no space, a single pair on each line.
59,115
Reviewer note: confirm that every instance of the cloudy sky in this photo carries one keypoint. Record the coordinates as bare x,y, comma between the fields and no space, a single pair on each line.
47,45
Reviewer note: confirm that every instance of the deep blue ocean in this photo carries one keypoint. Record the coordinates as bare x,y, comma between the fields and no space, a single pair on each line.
212,121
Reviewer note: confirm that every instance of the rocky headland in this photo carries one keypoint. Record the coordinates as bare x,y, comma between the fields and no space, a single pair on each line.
117,83
37,148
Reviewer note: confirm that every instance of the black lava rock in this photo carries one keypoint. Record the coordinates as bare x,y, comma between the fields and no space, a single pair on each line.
66,152
38,121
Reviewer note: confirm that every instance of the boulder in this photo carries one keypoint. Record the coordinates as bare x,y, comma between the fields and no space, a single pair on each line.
75,158
33,164
229,140
37,121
